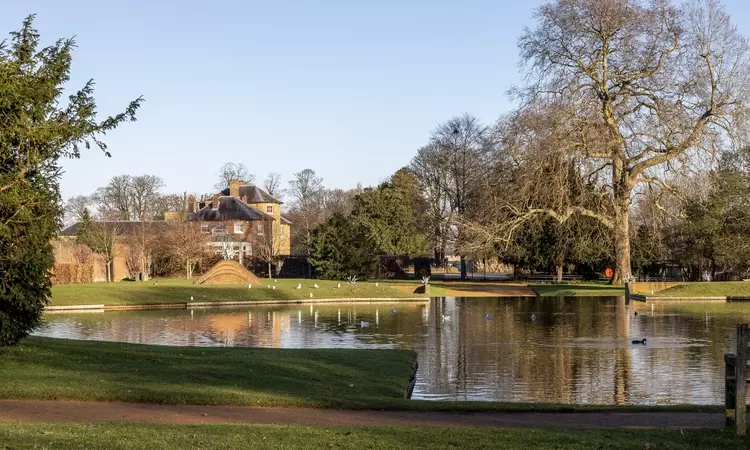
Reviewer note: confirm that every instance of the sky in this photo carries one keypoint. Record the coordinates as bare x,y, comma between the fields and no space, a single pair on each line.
350,89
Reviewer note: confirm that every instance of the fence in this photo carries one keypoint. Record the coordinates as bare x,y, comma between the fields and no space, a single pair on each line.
735,382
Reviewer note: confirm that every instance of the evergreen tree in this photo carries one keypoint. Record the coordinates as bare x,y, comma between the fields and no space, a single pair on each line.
37,128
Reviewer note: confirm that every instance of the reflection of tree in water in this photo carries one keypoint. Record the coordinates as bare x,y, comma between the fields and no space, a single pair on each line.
576,351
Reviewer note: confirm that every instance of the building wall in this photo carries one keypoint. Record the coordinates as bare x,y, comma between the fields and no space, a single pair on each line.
64,254
249,229
282,231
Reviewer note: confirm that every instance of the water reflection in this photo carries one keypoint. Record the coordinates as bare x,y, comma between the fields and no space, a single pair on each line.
571,351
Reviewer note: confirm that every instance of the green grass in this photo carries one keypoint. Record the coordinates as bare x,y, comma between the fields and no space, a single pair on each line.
60,369
709,289
578,290
44,368
138,436
180,291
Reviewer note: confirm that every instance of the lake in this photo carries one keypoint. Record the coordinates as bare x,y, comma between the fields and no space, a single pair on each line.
572,350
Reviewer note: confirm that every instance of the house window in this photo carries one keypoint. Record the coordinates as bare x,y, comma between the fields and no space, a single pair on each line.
204,228
269,209
260,229
237,228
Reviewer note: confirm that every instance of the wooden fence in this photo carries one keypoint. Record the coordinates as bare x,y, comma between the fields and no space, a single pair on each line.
735,382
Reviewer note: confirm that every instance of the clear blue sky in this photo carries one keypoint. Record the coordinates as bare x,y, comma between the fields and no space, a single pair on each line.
348,88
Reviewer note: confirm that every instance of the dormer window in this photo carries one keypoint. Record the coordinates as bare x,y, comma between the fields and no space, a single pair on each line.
269,209
238,228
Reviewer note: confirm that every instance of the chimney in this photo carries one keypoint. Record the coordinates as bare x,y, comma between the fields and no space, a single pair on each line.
191,205
215,202
234,187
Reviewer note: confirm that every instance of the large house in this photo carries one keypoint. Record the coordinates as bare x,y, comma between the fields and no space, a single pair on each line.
245,218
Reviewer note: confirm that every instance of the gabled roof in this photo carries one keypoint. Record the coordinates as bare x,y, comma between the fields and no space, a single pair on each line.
123,226
254,194
230,208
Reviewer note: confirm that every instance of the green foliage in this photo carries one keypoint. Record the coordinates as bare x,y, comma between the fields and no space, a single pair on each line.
36,130
387,220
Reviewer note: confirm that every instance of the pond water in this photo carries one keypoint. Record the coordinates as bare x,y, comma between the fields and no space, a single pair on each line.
573,351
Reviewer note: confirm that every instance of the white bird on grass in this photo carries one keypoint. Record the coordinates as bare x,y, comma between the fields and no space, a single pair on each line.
273,287
315,285
310,294
377,284
249,286
191,298
268,286
299,286
338,285
275,281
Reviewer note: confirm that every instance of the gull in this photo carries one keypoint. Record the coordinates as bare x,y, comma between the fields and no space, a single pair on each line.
249,286
275,281
393,310
191,298
273,287
310,294
533,316
445,318
268,286
315,285
299,286
488,317
338,285
376,284
364,324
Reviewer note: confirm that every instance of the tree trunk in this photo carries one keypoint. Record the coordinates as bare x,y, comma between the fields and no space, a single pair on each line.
621,231
559,271
187,269
463,267
269,268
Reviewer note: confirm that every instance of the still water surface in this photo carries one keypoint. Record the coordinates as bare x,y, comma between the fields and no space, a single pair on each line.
574,351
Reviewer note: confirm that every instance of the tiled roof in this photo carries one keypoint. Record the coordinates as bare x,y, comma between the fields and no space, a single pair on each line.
230,208
285,221
254,194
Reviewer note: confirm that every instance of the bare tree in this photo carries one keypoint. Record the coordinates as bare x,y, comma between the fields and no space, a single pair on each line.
233,171
187,244
144,194
114,201
431,169
450,169
272,184
306,190
648,88
102,238
75,207
268,246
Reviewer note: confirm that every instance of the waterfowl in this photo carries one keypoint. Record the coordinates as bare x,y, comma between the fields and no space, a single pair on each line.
642,341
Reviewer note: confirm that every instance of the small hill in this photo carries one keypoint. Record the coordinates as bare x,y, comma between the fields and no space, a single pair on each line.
228,272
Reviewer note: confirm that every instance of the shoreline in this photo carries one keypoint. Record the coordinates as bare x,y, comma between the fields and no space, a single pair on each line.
201,305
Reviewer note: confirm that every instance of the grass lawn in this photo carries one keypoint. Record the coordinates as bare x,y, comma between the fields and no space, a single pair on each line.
708,289
60,369
55,369
578,290
180,291
137,436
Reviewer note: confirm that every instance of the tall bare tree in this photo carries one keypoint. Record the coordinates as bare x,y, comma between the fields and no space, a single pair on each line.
76,207
450,169
145,191
272,184
649,87
114,201
306,190
233,171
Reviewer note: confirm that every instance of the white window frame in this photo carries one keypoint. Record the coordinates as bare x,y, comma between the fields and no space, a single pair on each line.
260,229
269,209
205,228
238,226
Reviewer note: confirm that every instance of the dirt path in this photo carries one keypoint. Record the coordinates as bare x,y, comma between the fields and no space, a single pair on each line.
61,411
